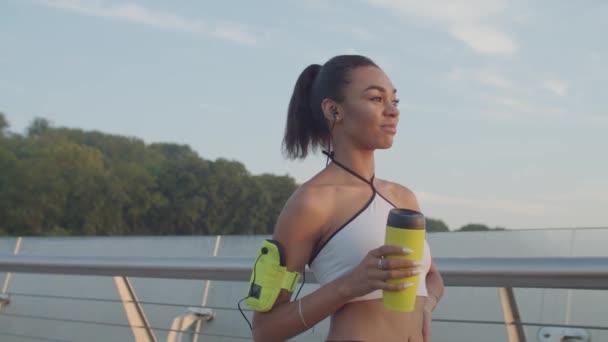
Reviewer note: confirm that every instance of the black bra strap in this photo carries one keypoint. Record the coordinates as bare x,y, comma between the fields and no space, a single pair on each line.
331,156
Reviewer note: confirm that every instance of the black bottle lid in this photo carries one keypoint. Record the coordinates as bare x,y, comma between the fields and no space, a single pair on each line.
406,218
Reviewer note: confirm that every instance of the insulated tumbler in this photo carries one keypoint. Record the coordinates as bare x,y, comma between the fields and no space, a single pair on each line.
404,228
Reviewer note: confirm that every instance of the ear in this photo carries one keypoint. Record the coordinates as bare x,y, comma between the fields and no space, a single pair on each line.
330,109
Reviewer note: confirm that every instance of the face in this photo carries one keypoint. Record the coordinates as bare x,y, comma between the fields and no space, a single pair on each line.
370,114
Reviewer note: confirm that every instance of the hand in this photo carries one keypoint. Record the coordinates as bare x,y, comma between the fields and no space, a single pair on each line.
373,271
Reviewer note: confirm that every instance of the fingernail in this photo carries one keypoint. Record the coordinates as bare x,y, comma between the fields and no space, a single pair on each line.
417,263
406,285
407,251
416,272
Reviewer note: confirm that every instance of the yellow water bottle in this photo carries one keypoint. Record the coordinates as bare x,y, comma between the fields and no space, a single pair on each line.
404,228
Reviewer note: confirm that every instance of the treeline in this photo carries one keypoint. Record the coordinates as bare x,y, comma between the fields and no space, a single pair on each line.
60,181
63,181
433,225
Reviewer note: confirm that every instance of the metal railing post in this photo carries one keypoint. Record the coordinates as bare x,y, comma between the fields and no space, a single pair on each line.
199,323
134,312
515,330
4,299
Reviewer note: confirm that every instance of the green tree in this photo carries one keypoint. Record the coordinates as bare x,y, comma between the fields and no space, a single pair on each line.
474,227
3,125
8,175
184,197
39,203
436,226
38,127
279,189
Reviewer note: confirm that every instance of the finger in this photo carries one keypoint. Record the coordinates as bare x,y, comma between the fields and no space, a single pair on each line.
390,274
375,263
401,263
396,274
389,250
382,285
379,275
391,265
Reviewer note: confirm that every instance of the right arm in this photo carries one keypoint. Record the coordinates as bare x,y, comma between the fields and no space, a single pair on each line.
298,228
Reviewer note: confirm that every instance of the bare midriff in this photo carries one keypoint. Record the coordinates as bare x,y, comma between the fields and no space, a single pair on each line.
369,321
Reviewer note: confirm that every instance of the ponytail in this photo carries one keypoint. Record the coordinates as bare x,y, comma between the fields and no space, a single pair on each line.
305,125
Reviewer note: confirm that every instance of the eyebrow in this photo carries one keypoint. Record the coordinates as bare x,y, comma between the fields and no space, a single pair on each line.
379,88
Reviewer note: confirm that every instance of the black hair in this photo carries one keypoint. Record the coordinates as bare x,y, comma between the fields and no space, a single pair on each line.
307,127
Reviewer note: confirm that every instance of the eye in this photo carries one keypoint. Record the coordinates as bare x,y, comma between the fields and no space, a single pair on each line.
377,98
396,102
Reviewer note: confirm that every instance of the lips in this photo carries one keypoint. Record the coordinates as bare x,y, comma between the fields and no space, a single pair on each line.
389,128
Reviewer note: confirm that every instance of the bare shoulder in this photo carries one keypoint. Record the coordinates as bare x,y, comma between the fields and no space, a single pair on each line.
301,221
306,202
400,195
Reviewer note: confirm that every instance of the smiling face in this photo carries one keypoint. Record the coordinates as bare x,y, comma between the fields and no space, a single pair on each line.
369,110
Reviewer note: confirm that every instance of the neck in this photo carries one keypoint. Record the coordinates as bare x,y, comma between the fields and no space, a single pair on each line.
359,161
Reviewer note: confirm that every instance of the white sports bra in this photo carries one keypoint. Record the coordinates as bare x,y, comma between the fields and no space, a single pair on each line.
349,244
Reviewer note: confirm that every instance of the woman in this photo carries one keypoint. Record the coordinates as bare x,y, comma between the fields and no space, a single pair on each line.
335,221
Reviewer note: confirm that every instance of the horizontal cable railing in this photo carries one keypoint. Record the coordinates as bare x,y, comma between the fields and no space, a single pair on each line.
110,324
33,337
220,308
548,272
109,300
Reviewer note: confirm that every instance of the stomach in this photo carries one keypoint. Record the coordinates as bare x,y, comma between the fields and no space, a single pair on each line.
367,320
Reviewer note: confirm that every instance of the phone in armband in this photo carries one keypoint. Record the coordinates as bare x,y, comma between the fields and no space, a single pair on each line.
269,276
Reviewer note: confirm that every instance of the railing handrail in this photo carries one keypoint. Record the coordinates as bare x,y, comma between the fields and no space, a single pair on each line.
543,272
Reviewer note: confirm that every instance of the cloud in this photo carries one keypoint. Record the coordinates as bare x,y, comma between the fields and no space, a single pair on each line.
469,21
358,32
318,5
511,108
138,14
486,76
362,33
557,87
512,99
486,40
235,32
513,104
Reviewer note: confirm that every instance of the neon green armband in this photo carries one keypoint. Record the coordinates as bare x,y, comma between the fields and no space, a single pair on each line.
269,276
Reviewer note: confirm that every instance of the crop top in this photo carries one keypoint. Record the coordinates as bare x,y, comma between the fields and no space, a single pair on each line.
350,243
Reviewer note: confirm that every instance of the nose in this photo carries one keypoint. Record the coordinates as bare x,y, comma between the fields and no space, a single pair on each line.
391,109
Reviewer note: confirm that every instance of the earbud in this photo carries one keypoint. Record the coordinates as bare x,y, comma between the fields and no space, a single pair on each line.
333,111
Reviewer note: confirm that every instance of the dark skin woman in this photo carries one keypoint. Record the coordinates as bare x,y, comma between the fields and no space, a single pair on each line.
349,107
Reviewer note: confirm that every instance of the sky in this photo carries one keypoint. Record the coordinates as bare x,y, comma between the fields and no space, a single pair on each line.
504,110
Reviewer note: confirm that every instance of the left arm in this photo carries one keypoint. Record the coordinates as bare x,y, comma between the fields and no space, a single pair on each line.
434,285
